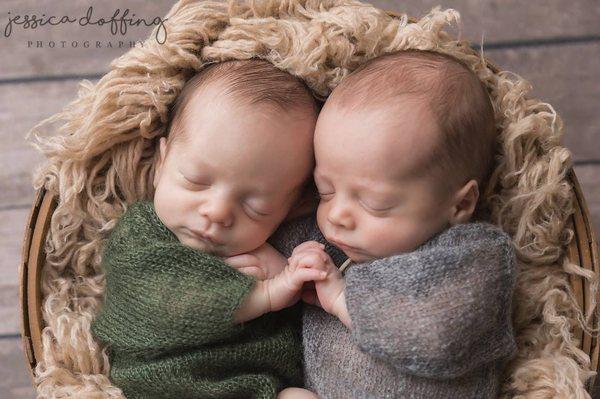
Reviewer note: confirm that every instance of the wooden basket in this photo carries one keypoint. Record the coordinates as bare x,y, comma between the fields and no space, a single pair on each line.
582,251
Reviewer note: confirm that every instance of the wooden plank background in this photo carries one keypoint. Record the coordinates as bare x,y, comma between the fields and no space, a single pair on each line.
555,46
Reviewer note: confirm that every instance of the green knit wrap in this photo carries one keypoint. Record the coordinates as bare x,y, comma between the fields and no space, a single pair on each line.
168,320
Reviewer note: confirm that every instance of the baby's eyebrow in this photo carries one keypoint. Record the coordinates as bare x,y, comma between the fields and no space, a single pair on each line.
379,194
318,174
262,191
198,162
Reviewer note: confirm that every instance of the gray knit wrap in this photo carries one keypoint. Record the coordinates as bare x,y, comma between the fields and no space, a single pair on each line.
432,323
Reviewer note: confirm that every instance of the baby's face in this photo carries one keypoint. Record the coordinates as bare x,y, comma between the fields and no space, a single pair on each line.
374,202
227,188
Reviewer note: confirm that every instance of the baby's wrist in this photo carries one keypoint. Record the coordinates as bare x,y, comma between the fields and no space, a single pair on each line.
265,295
340,310
256,303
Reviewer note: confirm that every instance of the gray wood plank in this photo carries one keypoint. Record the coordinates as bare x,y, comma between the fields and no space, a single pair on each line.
506,20
589,178
15,382
18,58
10,318
21,107
573,90
498,20
11,232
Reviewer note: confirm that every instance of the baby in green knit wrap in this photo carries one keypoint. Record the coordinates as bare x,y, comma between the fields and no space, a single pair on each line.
189,274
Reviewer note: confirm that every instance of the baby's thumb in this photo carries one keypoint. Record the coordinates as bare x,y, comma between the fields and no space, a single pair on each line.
243,260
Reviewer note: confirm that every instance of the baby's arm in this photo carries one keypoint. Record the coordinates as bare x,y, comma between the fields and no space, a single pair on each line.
438,312
162,295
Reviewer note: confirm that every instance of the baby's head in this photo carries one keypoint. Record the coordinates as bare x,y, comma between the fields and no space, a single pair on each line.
402,146
237,156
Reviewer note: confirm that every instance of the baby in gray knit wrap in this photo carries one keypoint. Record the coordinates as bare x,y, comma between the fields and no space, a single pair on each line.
421,307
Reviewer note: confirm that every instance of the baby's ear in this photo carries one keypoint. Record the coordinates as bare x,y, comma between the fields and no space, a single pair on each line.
162,152
464,203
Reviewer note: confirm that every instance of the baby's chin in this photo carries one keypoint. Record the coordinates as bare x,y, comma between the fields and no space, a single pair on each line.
358,257
200,245
366,256
224,250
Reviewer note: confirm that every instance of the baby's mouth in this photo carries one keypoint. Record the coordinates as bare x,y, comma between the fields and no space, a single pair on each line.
341,245
205,237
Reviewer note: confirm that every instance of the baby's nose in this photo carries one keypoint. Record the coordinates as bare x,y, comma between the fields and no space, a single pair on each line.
218,211
339,215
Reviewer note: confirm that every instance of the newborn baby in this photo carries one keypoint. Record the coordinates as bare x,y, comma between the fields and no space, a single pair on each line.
179,321
403,146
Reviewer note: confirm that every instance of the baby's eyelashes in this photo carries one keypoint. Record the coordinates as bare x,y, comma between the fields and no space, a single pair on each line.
195,183
375,209
325,196
249,209
257,207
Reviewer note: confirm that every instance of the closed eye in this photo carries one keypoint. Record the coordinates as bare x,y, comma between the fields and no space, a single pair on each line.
197,184
325,196
374,209
253,211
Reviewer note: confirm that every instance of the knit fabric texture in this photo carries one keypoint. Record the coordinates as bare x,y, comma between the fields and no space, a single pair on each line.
168,320
432,323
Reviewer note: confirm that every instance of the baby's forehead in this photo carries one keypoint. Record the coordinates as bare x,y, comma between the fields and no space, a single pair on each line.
387,140
213,100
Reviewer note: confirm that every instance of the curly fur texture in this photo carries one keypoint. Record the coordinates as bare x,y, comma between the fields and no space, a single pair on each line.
101,151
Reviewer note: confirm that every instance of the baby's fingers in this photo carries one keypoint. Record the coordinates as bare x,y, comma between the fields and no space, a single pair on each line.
243,260
306,245
312,259
300,276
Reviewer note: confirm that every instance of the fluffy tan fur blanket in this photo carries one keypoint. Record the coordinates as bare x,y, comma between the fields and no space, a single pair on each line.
101,153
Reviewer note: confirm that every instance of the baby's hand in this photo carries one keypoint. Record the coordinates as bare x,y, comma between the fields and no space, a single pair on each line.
281,291
309,254
264,263
329,293
285,289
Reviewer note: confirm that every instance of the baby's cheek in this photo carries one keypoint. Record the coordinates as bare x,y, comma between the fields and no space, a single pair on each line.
172,209
389,238
162,207
322,210
252,235
377,237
